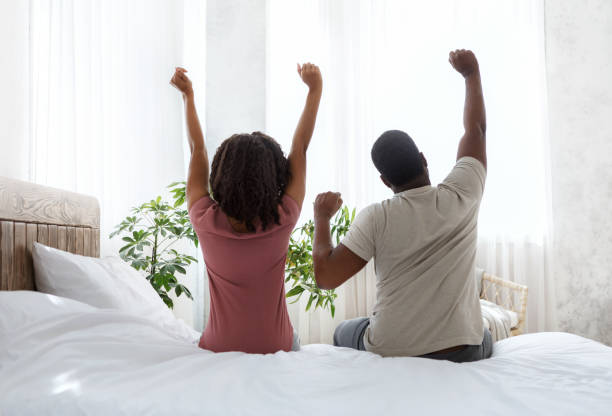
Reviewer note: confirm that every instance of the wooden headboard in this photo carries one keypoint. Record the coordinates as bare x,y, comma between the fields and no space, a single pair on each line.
29,213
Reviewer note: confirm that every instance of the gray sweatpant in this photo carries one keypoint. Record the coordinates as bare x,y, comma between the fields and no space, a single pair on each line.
350,334
296,342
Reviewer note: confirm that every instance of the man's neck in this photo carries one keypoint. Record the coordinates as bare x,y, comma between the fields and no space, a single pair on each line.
418,182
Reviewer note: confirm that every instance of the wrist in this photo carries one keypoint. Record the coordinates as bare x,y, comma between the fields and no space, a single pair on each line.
472,75
315,90
319,218
188,94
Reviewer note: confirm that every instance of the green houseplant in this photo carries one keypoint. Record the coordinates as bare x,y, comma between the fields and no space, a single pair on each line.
299,271
150,234
155,226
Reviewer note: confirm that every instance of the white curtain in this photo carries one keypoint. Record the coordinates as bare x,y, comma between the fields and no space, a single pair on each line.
384,65
103,119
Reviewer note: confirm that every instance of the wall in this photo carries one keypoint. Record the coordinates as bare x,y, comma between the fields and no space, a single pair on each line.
235,69
14,75
136,132
235,94
579,66
579,63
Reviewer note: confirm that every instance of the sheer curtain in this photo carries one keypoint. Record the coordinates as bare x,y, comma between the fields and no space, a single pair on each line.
103,119
385,66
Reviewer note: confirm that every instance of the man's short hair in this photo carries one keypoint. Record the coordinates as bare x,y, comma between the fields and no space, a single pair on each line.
397,158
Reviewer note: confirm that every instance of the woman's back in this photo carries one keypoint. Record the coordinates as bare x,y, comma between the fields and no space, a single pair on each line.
246,271
262,191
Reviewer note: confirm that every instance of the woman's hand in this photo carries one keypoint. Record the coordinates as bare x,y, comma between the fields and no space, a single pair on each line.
311,75
181,82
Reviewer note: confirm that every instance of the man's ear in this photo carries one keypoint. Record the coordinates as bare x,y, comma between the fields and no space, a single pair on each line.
424,160
382,178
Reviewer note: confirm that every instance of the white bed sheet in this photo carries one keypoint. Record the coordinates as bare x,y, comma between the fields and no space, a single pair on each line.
103,362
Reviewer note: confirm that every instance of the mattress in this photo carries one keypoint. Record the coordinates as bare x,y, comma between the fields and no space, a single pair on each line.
106,362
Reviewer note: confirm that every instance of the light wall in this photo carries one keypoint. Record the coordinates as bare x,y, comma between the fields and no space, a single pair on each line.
579,66
235,68
579,69
235,94
14,75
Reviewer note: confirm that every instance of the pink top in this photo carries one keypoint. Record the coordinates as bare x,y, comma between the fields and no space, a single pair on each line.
246,274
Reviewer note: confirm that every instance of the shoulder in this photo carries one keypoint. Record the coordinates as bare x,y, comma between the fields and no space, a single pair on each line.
472,162
289,210
367,219
467,178
371,211
199,209
362,234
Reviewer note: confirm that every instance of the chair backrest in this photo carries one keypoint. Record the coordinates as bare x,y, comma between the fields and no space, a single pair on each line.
507,294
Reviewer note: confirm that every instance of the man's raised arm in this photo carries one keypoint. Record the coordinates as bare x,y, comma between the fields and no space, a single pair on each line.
473,142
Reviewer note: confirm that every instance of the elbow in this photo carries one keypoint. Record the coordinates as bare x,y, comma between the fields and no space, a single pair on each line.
480,125
298,151
477,130
322,276
323,282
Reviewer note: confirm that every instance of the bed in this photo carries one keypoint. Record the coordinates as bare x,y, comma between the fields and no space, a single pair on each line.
87,360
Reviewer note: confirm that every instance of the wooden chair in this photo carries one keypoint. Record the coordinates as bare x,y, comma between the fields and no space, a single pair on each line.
509,295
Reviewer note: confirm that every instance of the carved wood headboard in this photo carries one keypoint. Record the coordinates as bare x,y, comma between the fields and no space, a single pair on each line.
29,213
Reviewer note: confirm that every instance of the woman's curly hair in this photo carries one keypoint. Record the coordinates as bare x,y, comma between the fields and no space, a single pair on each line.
248,178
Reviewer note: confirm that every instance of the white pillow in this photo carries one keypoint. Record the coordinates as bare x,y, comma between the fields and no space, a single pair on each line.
104,283
21,307
108,283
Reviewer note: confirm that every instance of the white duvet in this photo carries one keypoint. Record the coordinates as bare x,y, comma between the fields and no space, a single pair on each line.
102,362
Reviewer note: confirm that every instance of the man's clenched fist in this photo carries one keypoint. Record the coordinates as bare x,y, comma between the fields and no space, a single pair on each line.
463,61
326,205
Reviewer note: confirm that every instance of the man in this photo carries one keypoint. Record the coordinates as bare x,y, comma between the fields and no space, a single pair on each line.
423,241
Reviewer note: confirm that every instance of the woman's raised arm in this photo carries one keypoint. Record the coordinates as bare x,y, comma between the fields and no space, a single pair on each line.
311,76
197,178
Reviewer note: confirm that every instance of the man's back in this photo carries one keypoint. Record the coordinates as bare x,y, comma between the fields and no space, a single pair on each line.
424,243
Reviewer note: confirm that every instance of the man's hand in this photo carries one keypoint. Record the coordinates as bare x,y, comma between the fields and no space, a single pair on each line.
463,61
326,205
311,75
181,82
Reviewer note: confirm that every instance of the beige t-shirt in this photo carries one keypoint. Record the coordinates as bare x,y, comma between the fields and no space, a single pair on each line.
423,241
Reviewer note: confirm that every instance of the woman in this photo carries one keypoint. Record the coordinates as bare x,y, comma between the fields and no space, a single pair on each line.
244,226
